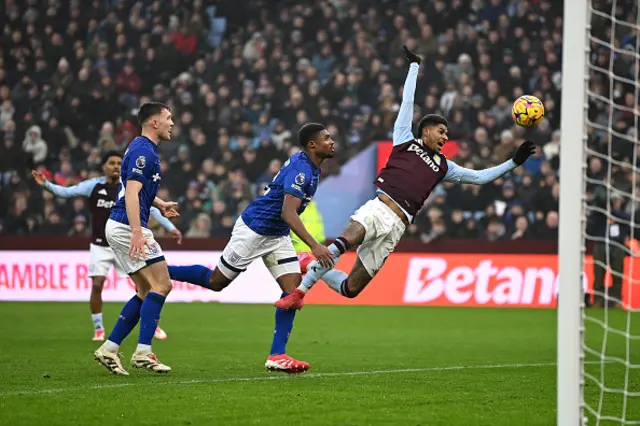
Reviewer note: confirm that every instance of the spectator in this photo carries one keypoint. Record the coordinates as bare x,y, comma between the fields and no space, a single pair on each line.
35,146
79,227
609,249
53,225
18,221
200,227
521,229
239,95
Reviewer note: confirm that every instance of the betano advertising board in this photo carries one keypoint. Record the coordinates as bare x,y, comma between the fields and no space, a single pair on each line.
498,280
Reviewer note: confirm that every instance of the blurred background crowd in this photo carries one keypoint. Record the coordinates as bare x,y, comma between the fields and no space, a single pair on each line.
242,76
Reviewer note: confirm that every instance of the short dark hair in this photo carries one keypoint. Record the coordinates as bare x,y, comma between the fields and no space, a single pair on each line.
308,133
430,120
110,154
149,110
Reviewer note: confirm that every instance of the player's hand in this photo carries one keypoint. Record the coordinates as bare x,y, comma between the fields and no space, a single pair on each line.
323,255
177,235
139,244
410,56
526,150
168,209
38,177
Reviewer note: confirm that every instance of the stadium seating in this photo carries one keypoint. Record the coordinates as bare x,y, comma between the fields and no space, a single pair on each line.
241,82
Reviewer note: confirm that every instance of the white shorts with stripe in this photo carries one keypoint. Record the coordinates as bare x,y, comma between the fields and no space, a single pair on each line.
101,259
119,238
246,245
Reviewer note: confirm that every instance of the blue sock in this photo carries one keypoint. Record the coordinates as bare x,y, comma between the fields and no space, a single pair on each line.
127,321
149,317
284,325
194,274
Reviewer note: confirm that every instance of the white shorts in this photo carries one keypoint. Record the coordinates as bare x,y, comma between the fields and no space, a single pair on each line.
119,238
383,232
101,259
246,245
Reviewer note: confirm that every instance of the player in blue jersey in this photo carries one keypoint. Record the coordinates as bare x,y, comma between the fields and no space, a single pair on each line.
262,231
101,193
133,243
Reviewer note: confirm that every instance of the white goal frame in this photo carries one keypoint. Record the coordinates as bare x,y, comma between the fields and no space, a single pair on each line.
570,374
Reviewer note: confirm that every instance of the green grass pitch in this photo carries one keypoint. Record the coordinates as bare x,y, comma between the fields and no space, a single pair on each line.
370,366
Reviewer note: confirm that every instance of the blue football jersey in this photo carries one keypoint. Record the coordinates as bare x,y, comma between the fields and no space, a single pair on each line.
299,177
141,163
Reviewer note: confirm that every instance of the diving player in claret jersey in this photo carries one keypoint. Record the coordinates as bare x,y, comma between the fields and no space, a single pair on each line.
133,243
262,231
101,192
413,170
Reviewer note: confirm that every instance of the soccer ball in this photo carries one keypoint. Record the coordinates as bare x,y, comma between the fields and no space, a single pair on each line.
527,111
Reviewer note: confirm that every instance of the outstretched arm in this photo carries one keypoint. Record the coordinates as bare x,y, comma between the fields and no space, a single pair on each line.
478,177
83,189
459,174
402,127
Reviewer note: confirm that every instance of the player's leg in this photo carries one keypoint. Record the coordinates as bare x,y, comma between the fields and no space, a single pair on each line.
119,237
352,236
95,304
616,265
284,267
154,277
243,247
372,254
109,353
599,272
377,230
100,261
160,334
350,285
216,280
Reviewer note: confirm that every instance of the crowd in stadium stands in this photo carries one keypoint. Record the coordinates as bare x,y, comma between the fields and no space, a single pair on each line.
241,77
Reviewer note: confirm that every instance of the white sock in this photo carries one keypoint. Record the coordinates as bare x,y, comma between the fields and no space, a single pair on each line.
143,349
334,279
97,321
315,270
111,346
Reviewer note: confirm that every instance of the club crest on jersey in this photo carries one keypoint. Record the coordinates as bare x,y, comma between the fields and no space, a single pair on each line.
424,156
141,162
300,179
437,159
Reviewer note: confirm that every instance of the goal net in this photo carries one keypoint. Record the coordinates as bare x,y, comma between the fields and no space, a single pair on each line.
599,330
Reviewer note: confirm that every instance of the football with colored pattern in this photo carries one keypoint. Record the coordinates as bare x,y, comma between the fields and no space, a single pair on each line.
527,111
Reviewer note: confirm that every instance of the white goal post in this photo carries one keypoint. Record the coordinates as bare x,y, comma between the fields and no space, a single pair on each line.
575,51
598,348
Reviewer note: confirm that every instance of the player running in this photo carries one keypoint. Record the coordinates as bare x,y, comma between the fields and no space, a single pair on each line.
134,246
101,192
413,170
262,231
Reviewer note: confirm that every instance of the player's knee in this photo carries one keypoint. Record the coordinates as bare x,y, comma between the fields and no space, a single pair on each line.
288,281
164,287
349,291
351,294
97,284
